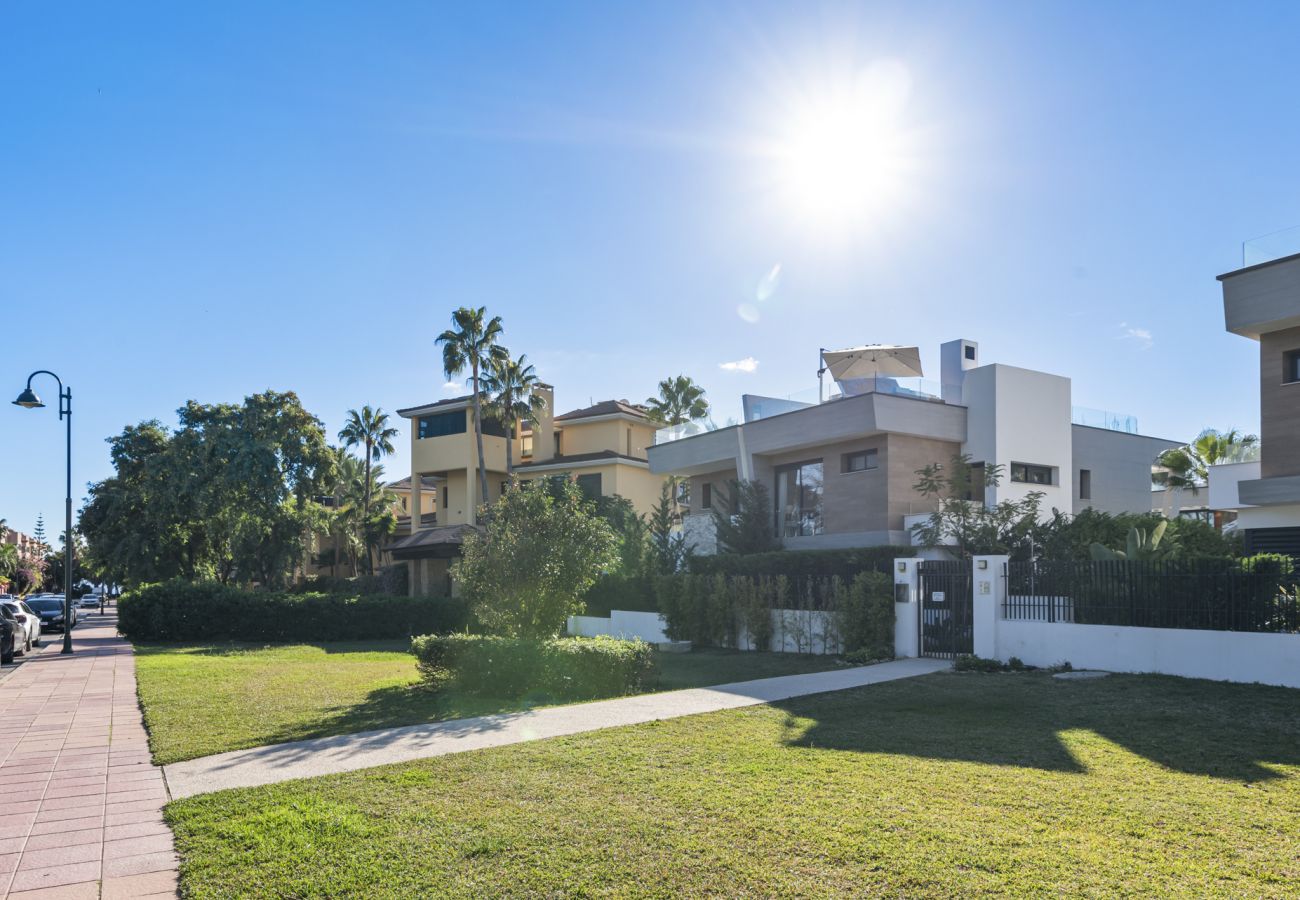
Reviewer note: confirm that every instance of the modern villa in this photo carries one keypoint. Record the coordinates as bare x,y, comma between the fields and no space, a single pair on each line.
602,447
841,469
1262,302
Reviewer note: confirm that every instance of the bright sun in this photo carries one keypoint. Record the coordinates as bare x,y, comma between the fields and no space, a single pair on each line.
845,156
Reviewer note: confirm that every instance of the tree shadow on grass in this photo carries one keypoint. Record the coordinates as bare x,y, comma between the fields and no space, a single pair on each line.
1197,727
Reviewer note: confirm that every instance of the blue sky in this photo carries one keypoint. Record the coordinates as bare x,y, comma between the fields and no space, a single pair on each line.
202,201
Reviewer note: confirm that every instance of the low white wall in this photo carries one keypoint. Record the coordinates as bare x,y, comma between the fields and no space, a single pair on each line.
1219,655
793,630
621,623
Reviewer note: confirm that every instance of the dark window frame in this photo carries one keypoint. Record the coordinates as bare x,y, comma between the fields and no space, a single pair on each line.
1291,367
969,352
706,496
1085,484
1026,468
424,429
870,457
578,480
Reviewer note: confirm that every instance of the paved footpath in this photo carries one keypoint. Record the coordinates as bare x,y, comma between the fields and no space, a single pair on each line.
323,756
80,803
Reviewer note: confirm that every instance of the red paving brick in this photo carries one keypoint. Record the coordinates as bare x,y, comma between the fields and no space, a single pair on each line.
84,817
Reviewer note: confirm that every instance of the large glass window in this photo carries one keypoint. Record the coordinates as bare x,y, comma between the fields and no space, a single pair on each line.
441,424
799,499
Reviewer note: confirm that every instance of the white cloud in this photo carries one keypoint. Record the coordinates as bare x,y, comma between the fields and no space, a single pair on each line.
452,387
746,365
1133,333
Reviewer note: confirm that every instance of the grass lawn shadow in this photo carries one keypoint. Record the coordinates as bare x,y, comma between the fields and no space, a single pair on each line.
1231,731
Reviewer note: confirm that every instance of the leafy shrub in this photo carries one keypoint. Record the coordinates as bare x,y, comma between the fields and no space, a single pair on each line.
715,610
207,611
794,564
557,668
541,552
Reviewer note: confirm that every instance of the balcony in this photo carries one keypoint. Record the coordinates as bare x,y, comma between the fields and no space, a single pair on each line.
757,407
1270,247
1104,418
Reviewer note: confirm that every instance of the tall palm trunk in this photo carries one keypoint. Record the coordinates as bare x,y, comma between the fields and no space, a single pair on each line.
478,435
510,453
365,513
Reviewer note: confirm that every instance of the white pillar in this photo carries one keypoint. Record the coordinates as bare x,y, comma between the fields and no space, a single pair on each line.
990,587
907,599
415,501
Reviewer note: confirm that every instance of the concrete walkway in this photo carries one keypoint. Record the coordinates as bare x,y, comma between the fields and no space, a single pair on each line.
323,756
80,803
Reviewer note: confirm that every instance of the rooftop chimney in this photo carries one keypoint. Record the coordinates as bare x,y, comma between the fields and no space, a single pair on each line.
955,357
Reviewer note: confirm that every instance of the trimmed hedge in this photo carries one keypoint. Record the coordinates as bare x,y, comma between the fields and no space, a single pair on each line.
795,564
715,610
559,668
207,611
636,594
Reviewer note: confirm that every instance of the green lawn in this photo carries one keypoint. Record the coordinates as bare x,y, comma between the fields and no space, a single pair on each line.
952,785
200,700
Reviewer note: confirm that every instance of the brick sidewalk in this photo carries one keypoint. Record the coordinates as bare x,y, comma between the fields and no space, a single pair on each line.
80,803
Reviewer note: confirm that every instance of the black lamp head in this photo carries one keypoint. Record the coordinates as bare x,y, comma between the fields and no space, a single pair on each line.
28,400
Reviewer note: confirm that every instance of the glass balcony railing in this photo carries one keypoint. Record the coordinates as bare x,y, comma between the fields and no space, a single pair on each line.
1269,247
1104,418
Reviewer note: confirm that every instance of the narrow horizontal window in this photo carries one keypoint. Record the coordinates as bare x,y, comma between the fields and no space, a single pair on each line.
1024,473
859,461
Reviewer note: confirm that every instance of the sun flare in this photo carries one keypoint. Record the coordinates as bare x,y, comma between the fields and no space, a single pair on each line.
845,155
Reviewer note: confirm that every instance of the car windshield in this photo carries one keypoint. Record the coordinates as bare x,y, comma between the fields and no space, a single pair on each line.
46,604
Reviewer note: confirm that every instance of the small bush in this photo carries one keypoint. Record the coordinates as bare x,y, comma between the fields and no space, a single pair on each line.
558,668
208,611
970,663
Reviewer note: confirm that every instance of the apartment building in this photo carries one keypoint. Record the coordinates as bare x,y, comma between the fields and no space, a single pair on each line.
841,469
602,447
1262,302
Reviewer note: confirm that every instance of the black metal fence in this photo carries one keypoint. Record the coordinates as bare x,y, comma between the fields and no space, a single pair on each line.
1205,594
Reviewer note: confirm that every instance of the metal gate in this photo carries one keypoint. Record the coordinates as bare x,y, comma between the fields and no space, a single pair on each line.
947,608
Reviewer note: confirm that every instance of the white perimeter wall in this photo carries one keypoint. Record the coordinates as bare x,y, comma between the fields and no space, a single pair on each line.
1219,655
793,630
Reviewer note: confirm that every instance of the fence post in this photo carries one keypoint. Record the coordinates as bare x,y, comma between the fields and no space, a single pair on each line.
990,587
907,598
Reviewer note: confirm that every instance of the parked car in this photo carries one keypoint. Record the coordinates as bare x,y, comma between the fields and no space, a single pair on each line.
12,636
28,618
50,609
88,601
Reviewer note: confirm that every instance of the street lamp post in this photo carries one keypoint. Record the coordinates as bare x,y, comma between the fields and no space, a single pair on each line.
28,400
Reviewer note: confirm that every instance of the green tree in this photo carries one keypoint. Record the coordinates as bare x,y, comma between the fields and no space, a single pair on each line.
1141,545
1188,466
230,494
668,550
630,529
511,383
472,343
680,400
541,550
369,429
742,523
971,527
8,560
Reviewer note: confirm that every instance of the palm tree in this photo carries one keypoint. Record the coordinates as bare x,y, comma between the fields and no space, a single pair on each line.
473,343
1188,466
511,382
369,428
680,400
